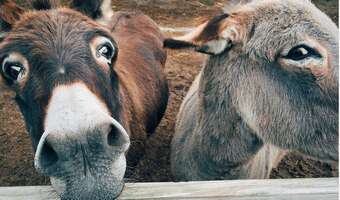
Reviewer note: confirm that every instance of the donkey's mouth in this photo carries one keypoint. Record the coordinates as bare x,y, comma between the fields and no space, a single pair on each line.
90,188
86,163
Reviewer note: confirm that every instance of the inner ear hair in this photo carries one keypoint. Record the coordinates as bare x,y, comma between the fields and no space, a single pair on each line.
178,44
208,48
211,29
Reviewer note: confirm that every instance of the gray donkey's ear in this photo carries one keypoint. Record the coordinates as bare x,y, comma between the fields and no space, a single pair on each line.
9,13
212,37
99,10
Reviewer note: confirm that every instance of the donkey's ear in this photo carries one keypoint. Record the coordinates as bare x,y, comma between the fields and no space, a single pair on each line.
99,10
212,37
44,4
9,14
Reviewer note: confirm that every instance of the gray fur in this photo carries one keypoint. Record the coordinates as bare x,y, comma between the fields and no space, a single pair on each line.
245,111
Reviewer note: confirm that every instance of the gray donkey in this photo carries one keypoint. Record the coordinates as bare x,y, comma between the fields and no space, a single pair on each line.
269,86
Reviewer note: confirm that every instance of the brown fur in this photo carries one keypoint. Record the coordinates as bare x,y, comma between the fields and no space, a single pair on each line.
58,46
144,86
9,13
142,80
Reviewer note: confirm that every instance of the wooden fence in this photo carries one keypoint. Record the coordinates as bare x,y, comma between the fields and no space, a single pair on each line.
274,189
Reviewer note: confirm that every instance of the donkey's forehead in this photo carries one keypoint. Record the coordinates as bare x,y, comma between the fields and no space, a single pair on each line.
60,34
288,16
291,12
53,25
57,45
64,15
278,23
278,4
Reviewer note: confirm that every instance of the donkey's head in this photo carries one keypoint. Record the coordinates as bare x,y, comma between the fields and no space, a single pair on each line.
61,63
278,60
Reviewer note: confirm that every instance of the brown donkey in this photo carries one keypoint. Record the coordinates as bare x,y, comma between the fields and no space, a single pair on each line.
86,88
270,85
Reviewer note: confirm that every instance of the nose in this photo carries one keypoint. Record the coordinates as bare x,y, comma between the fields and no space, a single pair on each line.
57,148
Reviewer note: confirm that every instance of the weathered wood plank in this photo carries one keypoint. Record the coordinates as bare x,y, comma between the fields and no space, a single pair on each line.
279,189
290,189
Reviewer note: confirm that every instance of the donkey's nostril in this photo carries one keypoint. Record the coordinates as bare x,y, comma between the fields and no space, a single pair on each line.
114,137
117,137
48,156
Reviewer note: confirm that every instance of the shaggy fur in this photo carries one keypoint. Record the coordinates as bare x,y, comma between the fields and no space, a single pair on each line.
251,103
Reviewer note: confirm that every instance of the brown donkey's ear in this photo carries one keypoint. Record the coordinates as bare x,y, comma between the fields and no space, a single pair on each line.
9,14
99,10
212,37
44,4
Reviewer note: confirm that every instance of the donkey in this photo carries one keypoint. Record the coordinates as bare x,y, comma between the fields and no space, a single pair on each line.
87,87
269,86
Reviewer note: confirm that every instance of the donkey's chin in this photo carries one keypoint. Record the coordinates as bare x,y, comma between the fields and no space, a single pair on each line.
89,188
99,183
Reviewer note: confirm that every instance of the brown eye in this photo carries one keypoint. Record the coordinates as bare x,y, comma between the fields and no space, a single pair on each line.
107,51
13,71
302,52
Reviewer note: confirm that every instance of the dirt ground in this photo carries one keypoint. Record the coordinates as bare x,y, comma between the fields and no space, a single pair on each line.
16,157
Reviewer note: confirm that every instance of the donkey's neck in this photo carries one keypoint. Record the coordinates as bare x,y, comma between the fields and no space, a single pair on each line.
224,144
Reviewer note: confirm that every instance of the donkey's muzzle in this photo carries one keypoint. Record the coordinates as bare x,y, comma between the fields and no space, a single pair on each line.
57,150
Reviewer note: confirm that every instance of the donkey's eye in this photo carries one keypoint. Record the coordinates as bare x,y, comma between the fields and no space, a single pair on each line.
103,50
13,71
302,52
106,50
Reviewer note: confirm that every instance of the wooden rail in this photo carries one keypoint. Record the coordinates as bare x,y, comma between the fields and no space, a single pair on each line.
278,189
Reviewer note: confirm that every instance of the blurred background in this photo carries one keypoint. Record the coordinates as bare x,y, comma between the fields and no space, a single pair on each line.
16,157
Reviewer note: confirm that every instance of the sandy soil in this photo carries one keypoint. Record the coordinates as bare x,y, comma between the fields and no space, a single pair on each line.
16,158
